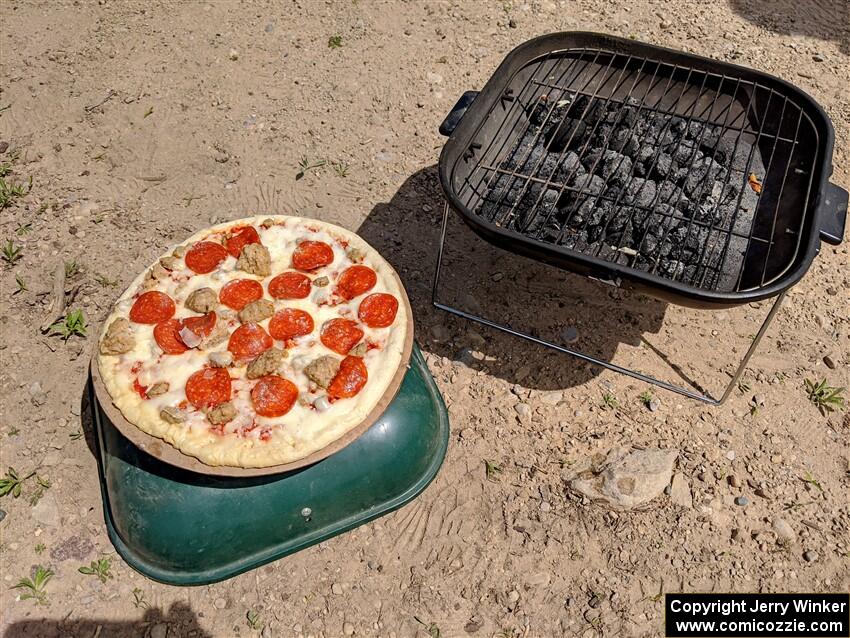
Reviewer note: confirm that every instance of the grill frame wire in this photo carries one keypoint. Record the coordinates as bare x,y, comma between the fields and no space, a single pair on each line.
824,204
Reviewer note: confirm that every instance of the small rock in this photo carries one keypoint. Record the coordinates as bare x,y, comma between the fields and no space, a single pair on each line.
522,409
759,399
348,628
761,492
680,492
75,547
53,457
570,334
626,480
545,506
336,588
46,511
829,362
440,332
4,146
653,404
776,459
269,28
594,601
817,57
734,481
539,579
2,515
730,455
736,534
37,394
742,501
159,630
513,596
233,55
512,23
810,556
473,625
783,530
220,603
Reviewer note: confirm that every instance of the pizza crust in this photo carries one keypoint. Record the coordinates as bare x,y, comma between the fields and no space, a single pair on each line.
302,431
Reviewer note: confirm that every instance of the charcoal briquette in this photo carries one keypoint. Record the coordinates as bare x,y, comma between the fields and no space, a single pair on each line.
663,166
616,167
639,192
588,183
700,175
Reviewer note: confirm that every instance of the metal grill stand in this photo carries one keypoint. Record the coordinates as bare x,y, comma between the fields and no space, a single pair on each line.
700,396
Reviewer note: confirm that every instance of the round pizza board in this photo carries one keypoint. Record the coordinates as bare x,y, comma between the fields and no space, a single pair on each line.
167,453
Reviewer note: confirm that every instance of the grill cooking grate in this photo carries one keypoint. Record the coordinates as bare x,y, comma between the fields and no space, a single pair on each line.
647,164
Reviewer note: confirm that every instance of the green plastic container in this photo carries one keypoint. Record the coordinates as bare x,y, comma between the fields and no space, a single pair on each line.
184,528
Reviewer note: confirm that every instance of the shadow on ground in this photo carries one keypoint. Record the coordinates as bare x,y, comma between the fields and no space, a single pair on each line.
823,19
487,281
181,620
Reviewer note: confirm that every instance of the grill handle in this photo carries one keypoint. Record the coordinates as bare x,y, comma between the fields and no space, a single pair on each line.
453,118
833,209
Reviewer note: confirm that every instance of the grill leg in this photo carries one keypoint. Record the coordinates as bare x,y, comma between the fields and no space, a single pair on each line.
705,397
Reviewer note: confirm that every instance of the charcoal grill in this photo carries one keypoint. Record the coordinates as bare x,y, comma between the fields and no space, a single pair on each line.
695,181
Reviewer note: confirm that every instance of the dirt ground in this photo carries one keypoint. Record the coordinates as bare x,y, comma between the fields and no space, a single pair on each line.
141,122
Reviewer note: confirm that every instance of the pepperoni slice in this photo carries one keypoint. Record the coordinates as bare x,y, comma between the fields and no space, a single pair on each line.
290,323
167,336
341,335
248,341
208,387
378,310
204,256
240,238
239,293
152,307
356,280
310,255
290,285
201,326
273,395
350,379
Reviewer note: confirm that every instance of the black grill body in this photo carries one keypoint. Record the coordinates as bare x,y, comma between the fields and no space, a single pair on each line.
696,181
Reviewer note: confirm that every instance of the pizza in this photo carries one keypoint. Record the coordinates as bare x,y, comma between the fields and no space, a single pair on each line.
256,342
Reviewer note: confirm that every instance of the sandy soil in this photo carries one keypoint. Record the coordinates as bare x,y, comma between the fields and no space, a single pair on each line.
140,123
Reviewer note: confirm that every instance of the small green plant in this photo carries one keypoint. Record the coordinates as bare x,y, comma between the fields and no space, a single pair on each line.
139,601
99,568
23,229
341,168
508,632
308,165
254,620
11,252
22,285
13,482
34,587
105,281
609,401
646,398
39,549
808,478
491,469
74,323
826,398
335,42
148,112
76,435
42,484
71,268
9,191
13,431
431,627
743,386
